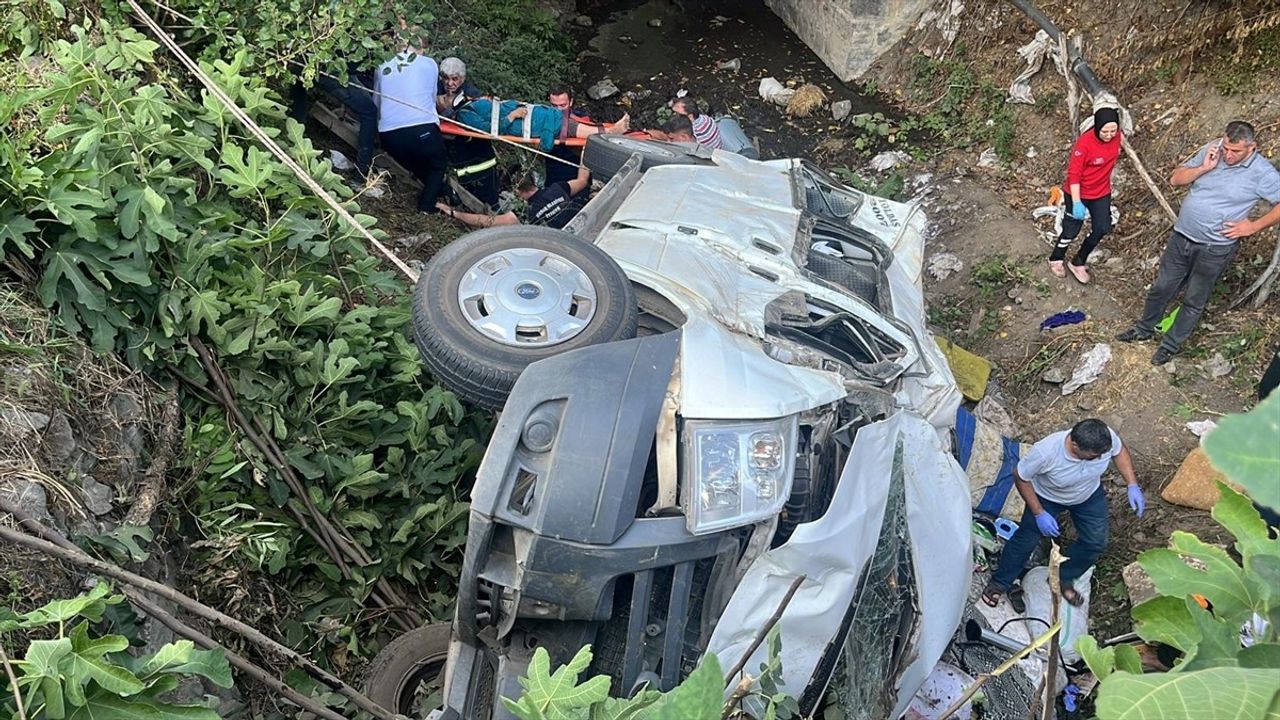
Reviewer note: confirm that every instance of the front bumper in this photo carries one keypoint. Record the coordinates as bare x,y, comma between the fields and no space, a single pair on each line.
557,554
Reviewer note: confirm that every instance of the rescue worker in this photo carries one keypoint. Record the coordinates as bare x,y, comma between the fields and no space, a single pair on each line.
553,206
472,160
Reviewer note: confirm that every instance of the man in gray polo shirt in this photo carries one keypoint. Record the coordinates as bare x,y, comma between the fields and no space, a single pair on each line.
1227,177
1063,473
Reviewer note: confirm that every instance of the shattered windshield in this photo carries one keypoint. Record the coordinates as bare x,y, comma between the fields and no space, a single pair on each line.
881,632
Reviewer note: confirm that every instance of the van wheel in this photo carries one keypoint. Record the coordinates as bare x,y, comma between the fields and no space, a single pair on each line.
407,676
604,155
495,300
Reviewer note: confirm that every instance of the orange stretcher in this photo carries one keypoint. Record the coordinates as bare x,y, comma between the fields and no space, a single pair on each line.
456,130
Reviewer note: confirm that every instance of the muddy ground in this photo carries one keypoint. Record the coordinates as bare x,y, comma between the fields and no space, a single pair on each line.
994,305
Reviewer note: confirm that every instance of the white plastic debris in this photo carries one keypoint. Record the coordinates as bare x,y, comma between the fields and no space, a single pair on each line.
340,162
774,91
944,686
1200,428
988,158
1218,366
943,264
601,90
888,160
1090,368
1031,152
1033,53
733,65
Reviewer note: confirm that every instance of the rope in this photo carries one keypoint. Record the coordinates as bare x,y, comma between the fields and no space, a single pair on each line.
270,144
492,135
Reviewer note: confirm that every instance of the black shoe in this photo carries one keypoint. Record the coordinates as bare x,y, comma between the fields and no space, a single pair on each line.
1162,356
1133,334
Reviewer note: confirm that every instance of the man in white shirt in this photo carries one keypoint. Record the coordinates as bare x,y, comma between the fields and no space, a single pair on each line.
1063,473
408,126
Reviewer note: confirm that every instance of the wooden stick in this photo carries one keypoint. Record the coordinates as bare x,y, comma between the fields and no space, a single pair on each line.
13,684
1146,178
1004,667
1049,681
154,611
200,610
1263,284
764,631
148,498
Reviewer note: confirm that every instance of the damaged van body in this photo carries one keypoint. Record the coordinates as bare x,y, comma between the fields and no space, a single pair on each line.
759,401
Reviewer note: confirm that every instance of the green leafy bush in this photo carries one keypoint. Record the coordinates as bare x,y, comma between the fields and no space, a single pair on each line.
150,218
80,675
1218,675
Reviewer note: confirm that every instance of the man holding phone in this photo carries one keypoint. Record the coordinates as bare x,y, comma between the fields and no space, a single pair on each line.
1227,179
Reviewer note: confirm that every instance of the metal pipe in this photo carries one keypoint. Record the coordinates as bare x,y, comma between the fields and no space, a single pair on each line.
974,632
1077,62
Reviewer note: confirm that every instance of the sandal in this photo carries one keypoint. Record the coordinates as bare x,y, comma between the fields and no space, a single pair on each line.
992,593
1072,596
1056,267
1081,272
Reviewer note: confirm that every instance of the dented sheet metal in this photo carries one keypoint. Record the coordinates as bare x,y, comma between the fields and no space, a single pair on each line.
833,551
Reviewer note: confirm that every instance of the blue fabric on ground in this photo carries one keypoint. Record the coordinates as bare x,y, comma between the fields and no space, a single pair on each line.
1067,317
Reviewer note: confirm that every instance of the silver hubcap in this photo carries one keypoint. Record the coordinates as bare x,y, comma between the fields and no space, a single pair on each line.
527,297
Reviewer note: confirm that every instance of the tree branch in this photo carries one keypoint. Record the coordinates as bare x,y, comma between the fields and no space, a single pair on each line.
78,557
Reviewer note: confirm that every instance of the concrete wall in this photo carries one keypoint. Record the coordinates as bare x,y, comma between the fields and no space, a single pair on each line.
849,34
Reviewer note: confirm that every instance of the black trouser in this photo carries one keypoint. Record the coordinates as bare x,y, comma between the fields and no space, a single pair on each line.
420,149
356,99
1099,225
562,171
482,184
1195,266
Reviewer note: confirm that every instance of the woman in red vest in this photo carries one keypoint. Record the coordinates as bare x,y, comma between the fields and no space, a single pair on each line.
1088,191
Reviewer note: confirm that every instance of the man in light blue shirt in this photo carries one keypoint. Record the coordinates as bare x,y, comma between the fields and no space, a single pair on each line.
1227,177
1063,474
405,90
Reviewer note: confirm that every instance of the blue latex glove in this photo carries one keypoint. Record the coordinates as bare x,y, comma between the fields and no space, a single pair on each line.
1047,525
1137,501
1078,210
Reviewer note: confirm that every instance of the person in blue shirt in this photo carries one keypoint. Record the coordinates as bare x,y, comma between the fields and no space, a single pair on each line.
545,121
408,124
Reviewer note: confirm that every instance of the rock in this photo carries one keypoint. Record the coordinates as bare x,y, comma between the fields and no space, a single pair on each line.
17,423
97,497
59,443
1099,255
733,65
583,21
1171,367
655,22
943,264
1020,294
27,496
1054,376
601,90
1138,583
373,191
1114,262
416,265
1194,485
840,109
1218,366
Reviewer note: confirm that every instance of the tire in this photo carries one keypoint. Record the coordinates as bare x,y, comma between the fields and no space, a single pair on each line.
604,155
459,339
404,665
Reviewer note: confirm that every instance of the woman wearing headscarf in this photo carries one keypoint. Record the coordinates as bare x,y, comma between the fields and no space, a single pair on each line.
1088,191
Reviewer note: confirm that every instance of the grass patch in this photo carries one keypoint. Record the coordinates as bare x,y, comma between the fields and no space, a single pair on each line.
970,110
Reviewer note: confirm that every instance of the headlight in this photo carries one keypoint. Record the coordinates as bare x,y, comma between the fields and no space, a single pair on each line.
736,473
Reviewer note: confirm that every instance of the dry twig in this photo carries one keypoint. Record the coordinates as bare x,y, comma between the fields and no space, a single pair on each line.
80,558
13,684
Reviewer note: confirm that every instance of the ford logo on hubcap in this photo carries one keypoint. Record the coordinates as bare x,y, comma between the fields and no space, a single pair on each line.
528,291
